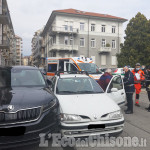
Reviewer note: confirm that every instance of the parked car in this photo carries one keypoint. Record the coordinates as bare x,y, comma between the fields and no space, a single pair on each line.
27,106
85,108
119,71
43,71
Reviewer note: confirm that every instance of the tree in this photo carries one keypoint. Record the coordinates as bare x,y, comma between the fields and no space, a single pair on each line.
136,47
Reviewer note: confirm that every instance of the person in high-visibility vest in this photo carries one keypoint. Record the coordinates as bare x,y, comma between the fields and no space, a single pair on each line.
138,77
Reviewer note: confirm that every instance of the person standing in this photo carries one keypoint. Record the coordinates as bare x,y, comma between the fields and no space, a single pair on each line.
105,79
138,77
129,89
148,85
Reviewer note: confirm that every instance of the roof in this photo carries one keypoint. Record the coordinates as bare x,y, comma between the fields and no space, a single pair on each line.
25,67
19,67
73,76
18,37
78,12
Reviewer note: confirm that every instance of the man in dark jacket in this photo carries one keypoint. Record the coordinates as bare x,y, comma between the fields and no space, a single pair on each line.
105,79
148,85
129,89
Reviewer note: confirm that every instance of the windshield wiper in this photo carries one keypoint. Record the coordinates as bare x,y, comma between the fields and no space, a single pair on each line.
85,92
90,92
70,92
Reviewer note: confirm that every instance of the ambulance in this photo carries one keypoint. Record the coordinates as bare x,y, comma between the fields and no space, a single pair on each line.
72,64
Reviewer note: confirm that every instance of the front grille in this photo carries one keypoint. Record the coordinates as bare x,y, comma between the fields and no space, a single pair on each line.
20,116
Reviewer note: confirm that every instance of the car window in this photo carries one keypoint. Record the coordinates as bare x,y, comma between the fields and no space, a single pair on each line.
116,83
77,86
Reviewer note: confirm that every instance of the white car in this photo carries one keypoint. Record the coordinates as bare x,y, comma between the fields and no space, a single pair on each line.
85,108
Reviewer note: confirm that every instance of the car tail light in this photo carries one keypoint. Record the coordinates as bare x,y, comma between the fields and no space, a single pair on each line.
115,70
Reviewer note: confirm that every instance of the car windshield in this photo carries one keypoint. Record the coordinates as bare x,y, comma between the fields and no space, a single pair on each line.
89,67
20,78
77,85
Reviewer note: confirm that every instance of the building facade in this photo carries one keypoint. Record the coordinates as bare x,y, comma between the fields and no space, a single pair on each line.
7,36
26,60
38,56
18,50
72,32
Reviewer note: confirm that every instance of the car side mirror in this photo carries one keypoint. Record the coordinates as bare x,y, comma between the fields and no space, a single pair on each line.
114,90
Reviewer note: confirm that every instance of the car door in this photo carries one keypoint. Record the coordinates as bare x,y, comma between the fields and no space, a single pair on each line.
115,90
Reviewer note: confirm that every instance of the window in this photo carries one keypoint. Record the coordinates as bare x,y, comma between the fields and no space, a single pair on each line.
103,28
103,43
81,26
92,27
93,43
71,67
71,41
113,44
52,67
77,85
113,29
71,26
66,25
103,59
82,42
116,83
66,40
113,60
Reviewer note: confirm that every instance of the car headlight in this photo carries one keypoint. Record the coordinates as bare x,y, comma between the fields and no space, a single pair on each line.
70,118
113,116
49,105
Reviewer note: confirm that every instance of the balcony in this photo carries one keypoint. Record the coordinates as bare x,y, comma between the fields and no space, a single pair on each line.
4,18
4,44
65,30
105,50
63,47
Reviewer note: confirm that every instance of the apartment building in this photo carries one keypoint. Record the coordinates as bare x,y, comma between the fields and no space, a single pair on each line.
26,60
18,50
72,32
7,36
38,49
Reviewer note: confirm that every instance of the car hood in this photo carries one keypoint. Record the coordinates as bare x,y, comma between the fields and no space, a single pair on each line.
22,98
90,105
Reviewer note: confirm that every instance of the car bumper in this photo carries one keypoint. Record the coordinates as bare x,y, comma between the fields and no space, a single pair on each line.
48,123
111,128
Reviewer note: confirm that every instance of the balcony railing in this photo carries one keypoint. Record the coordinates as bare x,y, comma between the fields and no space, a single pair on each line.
66,29
4,17
62,47
105,50
4,44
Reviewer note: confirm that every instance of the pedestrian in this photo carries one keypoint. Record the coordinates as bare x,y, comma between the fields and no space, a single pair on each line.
129,89
138,77
105,79
148,85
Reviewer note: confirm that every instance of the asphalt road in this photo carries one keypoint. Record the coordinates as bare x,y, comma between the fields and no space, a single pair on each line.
136,125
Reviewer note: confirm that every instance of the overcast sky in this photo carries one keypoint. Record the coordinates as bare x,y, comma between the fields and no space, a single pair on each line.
30,15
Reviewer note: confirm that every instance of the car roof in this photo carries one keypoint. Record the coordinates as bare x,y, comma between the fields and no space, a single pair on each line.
73,76
19,67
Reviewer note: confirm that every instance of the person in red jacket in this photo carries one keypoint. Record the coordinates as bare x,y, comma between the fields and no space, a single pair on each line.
105,79
138,77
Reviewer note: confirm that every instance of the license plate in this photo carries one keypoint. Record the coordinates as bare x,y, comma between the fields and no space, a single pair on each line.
11,116
94,126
